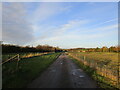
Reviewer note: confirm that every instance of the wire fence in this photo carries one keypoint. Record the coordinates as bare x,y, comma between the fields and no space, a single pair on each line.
110,72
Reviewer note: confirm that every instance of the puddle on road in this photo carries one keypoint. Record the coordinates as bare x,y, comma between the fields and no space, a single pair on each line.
81,76
53,70
76,72
73,73
79,69
61,63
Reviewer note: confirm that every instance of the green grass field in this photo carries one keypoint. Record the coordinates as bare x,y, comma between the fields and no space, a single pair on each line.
27,70
22,55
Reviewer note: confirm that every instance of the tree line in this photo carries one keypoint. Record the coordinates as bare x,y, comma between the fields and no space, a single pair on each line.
7,48
103,49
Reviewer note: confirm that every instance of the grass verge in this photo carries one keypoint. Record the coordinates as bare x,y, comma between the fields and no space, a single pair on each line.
28,69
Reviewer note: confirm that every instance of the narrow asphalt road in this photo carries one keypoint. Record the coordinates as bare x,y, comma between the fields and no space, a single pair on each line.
63,73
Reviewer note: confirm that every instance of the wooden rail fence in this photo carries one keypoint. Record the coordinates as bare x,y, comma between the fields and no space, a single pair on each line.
16,57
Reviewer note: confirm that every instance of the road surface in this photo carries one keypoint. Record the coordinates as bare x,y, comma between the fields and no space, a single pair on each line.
63,73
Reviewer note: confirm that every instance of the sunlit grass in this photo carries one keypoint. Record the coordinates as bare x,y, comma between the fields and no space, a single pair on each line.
22,55
105,65
107,58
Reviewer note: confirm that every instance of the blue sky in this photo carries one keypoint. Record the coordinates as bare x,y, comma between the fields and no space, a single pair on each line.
67,25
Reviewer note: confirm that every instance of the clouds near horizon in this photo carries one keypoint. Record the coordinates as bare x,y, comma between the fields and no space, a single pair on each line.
60,24
16,28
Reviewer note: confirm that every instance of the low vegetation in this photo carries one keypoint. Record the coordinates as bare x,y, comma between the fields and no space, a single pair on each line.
18,75
100,63
102,66
21,55
103,58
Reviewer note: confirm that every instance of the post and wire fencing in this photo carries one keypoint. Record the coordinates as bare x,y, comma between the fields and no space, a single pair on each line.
110,73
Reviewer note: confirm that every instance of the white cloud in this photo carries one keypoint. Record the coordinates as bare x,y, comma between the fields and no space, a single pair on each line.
71,26
110,27
69,34
78,37
115,19
43,12
72,40
16,28
72,31
46,10
106,29
51,31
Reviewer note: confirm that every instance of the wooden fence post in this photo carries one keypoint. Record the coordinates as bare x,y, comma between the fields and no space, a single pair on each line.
18,58
118,75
